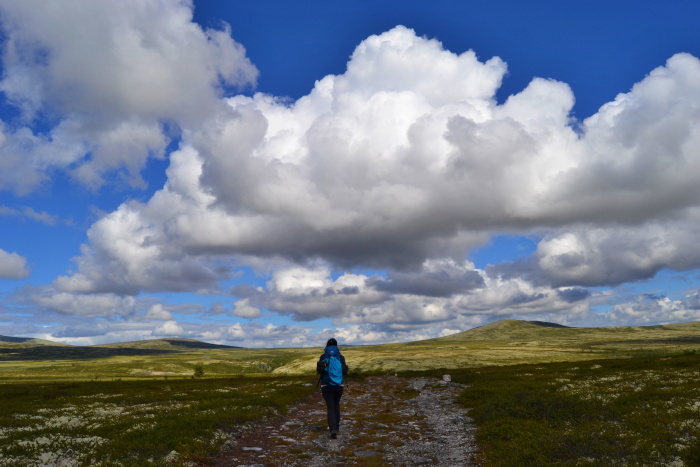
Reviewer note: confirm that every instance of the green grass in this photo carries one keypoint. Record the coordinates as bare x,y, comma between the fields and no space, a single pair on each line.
131,423
636,412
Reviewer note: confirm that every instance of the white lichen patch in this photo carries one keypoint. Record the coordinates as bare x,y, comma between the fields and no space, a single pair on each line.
62,436
673,393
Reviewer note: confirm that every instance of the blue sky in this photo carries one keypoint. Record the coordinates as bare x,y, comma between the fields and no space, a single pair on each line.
276,173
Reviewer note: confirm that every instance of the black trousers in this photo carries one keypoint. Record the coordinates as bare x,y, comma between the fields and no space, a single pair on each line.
332,395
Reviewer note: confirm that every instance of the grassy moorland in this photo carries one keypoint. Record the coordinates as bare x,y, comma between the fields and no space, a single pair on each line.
134,423
640,411
159,402
541,394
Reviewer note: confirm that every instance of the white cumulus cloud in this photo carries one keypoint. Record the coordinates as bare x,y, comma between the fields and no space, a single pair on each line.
113,74
158,312
243,309
86,305
13,266
169,328
651,309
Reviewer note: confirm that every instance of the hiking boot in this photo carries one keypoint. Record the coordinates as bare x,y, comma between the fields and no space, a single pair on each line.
334,435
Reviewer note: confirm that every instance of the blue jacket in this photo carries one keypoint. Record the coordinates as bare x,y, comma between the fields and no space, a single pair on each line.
320,367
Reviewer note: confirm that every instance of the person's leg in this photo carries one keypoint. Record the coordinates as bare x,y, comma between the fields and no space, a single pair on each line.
337,394
331,404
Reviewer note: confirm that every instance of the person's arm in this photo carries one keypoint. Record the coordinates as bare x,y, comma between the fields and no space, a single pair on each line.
320,366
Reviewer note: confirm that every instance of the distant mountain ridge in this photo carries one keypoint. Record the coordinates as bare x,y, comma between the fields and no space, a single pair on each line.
169,343
508,329
505,330
15,340
24,348
142,344
492,330
27,340
512,329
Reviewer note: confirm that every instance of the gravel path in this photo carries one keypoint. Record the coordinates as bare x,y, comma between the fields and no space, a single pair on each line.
386,421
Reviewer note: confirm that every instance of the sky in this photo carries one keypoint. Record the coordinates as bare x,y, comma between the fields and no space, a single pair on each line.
275,173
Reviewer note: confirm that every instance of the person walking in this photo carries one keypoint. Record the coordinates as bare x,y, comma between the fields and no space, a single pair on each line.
333,370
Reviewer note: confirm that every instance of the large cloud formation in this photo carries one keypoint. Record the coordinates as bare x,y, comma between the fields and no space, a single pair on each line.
105,80
395,169
407,156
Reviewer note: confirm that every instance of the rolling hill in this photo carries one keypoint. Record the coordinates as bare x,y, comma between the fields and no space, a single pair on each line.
509,329
509,342
21,348
26,341
504,342
166,344
538,331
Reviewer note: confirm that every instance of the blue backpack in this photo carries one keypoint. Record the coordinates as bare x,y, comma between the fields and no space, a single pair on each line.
334,366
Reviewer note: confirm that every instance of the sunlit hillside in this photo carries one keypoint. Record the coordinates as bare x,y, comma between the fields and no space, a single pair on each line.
505,342
511,342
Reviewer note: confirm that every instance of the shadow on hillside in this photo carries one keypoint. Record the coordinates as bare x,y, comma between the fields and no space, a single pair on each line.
546,324
198,344
15,340
75,353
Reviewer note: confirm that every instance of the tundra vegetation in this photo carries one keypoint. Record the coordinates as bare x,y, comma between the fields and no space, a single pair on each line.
639,411
540,394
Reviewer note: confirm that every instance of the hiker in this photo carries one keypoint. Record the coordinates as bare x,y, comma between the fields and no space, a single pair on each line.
332,368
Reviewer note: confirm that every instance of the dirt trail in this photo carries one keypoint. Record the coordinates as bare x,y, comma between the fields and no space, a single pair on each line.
386,421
